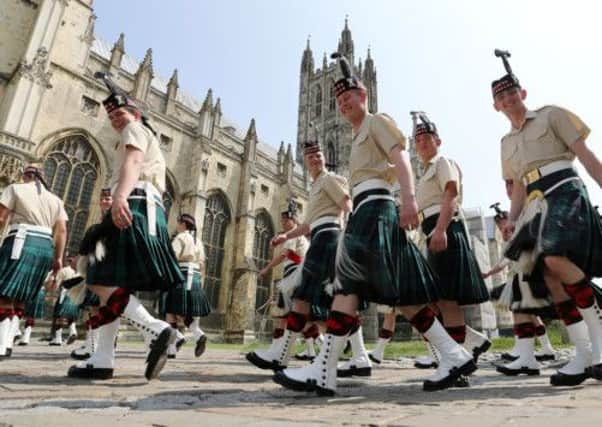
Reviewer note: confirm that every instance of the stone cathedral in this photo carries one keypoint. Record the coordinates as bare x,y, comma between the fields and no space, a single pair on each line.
234,184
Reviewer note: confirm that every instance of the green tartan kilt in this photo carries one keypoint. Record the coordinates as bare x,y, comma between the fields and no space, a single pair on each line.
36,308
460,278
393,271
193,303
66,309
572,228
318,272
90,300
136,260
21,279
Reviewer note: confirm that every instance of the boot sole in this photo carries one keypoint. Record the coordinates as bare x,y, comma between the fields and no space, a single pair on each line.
304,358
263,364
425,366
508,357
180,343
21,344
567,380
201,344
374,359
476,352
447,382
76,356
545,357
514,372
354,372
280,378
90,373
596,372
158,354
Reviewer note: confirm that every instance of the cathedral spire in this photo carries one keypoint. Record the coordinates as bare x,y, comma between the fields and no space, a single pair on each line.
307,62
144,76
208,103
346,42
117,53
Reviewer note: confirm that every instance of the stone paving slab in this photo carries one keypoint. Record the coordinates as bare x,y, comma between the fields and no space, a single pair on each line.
222,388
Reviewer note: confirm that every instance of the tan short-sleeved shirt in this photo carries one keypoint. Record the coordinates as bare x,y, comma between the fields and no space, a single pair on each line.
545,137
65,273
29,207
187,250
139,136
325,192
431,185
370,149
299,245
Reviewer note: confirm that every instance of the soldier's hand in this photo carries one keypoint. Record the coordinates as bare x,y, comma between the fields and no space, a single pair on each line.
277,240
120,213
408,217
57,264
50,285
438,241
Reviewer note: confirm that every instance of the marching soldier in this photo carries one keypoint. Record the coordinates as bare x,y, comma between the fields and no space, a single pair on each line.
549,196
439,197
138,254
187,301
328,201
291,254
91,301
34,245
376,262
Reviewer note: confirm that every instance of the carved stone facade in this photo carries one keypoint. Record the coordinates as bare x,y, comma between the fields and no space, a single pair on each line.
217,171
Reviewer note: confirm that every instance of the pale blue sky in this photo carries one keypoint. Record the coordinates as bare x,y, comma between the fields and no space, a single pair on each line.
433,55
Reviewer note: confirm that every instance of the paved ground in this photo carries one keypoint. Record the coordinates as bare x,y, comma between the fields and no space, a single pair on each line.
222,389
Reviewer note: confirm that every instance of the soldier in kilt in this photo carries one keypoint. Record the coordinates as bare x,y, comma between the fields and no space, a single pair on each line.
375,261
439,197
557,232
66,312
34,245
527,301
34,309
91,301
328,201
187,301
291,255
138,255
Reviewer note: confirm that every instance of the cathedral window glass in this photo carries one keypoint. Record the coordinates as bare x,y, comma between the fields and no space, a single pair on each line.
264,231
217,219
332,101
318,101
331,157
71,168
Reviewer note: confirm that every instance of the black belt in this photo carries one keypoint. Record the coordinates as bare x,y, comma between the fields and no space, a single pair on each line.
289,269
546,182
324,226
376,192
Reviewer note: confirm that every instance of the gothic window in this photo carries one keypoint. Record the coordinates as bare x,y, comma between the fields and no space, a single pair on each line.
168,197
318,101
71,169
331,157
332,101
264,231
217,219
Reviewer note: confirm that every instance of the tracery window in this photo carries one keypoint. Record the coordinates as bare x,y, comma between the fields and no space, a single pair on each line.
331,157
264,231
215,224
71,168
318,101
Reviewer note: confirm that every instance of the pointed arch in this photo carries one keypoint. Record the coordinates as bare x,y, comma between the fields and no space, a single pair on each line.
264,231
72,169
215,224
318,100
